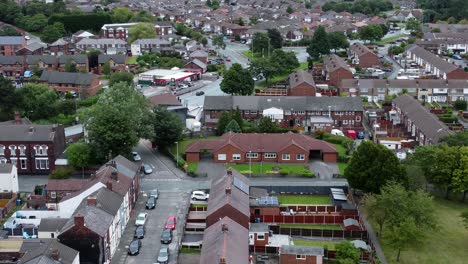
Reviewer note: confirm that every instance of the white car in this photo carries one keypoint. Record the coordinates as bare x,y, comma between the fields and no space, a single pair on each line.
200,195
136,156
141,219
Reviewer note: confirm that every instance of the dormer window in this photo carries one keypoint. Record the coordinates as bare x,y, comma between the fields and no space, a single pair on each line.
12,150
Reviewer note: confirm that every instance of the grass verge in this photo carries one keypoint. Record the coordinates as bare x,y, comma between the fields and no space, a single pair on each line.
390,39
341,167
267,168
313,243
303,199
199,205
190,251
283,76
312,226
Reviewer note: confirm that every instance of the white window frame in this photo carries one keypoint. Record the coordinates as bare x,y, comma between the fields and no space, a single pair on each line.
2,150
53,195
301,256
40,165
12,150
260,235
298,156
251,155
236,156
3,161
222,156
269,155
22,149
286,156
25,164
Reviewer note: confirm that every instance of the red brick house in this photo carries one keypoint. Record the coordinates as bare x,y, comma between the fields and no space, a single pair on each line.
59,47
82,84
10,44
163,28
57,189
131,170
196,64
199,55
335,70
301,255
117,62
116,31
81,62
11,65
301,83
351,224
32,148
363,56
280,148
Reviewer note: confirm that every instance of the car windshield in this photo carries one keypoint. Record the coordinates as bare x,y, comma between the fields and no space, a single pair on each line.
170,222
141,218
134,245
163,254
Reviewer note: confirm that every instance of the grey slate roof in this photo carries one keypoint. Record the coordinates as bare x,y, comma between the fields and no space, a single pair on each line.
117,58
301,250
40,252
21,133
11,40
259,228
428,123
59,42
198,53
67,77
80,59
108,201
6,167
152,41
95,219
126,167
101,41
333,62
34,46
52,224
299,77
296,103
432,59
198,63
11,60
47,59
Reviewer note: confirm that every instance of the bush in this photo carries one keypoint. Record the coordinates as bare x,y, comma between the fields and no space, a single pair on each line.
211,68
180,162
333,139
308,173
283,172
344,159
61,173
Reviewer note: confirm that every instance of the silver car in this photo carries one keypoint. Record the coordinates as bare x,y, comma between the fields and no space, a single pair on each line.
136,156
147,169
163,256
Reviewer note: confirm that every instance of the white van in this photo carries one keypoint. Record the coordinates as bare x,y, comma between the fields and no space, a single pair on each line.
337,132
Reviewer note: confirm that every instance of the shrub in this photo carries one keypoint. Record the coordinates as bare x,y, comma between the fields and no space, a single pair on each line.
180,162
61,173
308,173
283,172
344,159
333,139
211,68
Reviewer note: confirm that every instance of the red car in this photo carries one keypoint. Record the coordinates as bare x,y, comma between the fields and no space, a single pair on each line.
170,222
228,59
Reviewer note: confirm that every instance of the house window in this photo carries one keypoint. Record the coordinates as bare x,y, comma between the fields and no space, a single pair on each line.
52,235
286,156
300,256
41,150
300,157
23,164
253,112
221,156
22,150
252,155
12,150
53,195
236,156
345,122
2,150
358,118
270,155
260,237
3,161
42,164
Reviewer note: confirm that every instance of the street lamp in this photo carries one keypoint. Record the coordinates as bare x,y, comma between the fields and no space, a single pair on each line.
250,164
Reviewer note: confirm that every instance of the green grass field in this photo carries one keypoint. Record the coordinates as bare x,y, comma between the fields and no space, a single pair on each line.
266,168
303,199
313,243
390,39
446,244
312,226
342,166
283,77
132,60
248,54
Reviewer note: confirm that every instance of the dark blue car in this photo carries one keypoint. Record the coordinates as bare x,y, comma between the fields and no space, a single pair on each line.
360,135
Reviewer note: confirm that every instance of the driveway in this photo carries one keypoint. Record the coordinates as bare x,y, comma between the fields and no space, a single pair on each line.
324,170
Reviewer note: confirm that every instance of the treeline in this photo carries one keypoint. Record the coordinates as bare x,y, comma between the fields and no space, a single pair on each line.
75,22
367,7
434,10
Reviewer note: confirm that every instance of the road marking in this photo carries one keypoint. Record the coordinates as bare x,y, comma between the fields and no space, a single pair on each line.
161,179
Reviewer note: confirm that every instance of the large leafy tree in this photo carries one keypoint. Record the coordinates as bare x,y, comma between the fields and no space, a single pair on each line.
233,126
9,99
121,15
38,101
118,120
276,40
266,125
79,156
218,42
266,67
53,32
413,24
141,30
237,81
168,127
319,45
121,77
347,253
372,166
337,40
372,32
457,139
287,61
260,43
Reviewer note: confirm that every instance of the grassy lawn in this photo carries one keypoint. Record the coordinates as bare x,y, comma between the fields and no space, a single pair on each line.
303,199
388,40
192,166
312,243
190,251
446,244
312,226
341,150
248,54
132,60
342,166
259,168
184,143
283,77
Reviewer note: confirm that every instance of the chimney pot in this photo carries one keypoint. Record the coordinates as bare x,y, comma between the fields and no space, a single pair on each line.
17,118
79,220
55,254
222,260
228,190
109,185
92,200
114,175
229,171
224,227
31,129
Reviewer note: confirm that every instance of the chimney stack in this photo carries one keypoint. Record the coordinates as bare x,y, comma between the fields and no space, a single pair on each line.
112,164
222,260
92,200
79,220
114,175
228,190
54,127
109,185
229,171
17,118
55,254
224,227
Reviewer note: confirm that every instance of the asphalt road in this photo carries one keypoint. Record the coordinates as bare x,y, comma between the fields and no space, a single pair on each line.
209,89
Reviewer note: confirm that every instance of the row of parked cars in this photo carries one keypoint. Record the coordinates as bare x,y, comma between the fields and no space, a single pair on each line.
140,231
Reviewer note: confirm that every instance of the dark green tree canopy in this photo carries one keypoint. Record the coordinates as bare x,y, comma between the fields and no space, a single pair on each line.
260,43
319,45
38,101
9,99
121,77
276,40
266,125
237,81
233,126
168,127
79,155
346,252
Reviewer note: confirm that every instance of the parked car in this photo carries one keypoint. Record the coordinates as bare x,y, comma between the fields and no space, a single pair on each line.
139,232
200,195
171,222
134,247
147,169
163,256
154,193
151,203
228,59
456,57
136,156
166,236
141,219
199,93
360,135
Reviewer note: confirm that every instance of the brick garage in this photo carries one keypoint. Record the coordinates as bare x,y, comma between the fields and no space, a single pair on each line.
301,255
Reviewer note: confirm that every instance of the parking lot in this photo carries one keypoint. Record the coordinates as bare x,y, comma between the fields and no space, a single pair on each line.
169,203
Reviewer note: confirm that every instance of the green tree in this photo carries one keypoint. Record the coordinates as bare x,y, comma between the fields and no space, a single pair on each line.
168,127
9,99
337,40
9,31
286,61
140,31
118,77
118,120
266,125
290,10
106,69
223,121
38,101
33,23
308,5
121,15
79,156
372,32
372,166
456,139
53,32
346,252
413,24
460,174
70,66
264,66
237,81
276,40
233,126
319,45
240,22
215,4
143,16
460,105
218,42
260,43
